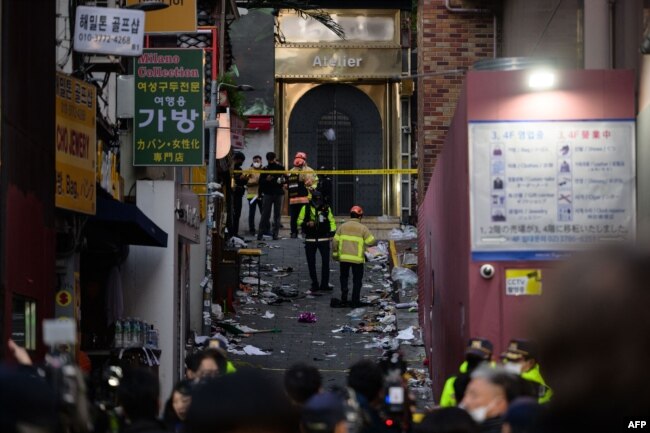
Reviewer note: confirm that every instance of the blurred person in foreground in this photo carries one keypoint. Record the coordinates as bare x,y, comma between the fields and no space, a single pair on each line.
522,415
490,391
366,378
592,327
302,381
242,402
447,420
177,405
139,396
324,413
27,402
478,350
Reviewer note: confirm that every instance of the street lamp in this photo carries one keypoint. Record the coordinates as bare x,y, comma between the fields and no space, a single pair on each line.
212,124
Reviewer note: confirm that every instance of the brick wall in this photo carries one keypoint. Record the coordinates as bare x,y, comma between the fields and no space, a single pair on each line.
446,41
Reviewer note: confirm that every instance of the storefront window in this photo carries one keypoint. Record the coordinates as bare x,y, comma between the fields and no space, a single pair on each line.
23,322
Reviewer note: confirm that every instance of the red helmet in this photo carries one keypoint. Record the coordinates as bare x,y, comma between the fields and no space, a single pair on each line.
356,210
301,155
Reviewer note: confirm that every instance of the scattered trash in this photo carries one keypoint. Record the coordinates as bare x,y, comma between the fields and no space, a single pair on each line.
320,343
236,242
288,291
407,232
406,334
252,350
268,315
217,312
388,319
404,276
357,313
409,259
253,281
344,328
404,305
331,355
307,317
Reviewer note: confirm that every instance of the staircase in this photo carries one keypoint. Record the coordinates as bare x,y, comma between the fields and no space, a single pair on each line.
379,226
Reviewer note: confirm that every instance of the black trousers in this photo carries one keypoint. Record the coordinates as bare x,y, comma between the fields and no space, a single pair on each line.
310,250
294,211
237,204
257,204
357,280
268,202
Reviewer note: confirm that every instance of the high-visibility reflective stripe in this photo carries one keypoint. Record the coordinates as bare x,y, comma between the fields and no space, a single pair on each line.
370,240
373,171
350,258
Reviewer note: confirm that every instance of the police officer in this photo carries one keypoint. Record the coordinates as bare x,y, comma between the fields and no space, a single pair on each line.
478,350
521,358
300,183
348,249
318,223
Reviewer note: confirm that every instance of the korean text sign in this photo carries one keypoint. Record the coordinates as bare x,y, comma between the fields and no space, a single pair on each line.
168,123
541,189
76,145
109,31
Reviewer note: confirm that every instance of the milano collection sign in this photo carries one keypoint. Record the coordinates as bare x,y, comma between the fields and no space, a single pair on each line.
168,128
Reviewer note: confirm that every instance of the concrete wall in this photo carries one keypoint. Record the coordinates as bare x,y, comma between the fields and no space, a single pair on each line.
456,302
643,152
149,278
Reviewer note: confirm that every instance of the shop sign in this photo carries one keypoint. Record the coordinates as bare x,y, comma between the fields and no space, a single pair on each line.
523,282
300,62
540,189
109,31
76,145
168,122
179,17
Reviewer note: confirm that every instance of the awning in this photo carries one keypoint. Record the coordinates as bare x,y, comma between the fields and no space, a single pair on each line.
125,223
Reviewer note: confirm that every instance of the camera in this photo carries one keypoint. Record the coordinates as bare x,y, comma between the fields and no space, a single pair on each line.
487,271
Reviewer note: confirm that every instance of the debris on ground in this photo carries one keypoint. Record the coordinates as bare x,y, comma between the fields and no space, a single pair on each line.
307,317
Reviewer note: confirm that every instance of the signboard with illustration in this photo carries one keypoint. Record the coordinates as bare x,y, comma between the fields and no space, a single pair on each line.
541,189
168,115
76,145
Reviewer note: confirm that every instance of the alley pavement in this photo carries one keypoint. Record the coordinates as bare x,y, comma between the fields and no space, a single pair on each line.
336,340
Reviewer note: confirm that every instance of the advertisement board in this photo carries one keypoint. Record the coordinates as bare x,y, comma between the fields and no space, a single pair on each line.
168,115
102,30
541,189
76,144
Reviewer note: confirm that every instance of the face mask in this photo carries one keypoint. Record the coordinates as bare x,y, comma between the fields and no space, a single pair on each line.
479,414
257,165
513,367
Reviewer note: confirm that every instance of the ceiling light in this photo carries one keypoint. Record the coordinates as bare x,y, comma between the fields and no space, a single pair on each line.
541,79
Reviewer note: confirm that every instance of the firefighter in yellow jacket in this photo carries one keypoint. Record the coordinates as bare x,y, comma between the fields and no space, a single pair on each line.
300,183
348,249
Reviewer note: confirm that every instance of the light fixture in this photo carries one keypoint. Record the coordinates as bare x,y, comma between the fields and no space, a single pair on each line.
541,79
148,5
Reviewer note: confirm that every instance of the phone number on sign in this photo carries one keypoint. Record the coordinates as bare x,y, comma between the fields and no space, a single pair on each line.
116,39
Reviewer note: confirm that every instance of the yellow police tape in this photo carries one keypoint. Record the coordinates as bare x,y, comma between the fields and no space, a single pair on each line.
373,171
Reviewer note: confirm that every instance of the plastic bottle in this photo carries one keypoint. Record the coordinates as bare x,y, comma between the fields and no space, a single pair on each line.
137,332
128,333
119,335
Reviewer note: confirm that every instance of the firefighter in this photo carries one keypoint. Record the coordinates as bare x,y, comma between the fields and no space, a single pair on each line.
300,183
348,249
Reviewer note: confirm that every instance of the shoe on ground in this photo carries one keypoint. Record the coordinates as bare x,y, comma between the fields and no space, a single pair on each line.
275,237
360,304
327,288
294,235
338,303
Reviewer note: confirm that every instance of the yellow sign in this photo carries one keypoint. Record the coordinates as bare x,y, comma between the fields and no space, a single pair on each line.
523,282
76,144
63,298
179,17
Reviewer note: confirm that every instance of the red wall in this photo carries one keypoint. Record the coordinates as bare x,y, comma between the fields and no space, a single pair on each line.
449,280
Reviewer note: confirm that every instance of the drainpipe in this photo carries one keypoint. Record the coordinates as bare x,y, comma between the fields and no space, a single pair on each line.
612,5
452,9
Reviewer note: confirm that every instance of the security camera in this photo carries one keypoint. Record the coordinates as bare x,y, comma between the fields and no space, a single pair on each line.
487,271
